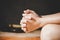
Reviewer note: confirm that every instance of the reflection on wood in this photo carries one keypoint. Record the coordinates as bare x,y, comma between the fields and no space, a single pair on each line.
20,36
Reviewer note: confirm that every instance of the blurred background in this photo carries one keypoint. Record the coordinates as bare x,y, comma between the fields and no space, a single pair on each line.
11,11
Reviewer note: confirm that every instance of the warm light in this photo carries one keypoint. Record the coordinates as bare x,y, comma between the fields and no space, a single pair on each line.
14,25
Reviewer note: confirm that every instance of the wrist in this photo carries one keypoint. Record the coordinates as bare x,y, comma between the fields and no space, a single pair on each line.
41,21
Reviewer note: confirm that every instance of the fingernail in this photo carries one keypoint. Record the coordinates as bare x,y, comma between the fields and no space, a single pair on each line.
23,14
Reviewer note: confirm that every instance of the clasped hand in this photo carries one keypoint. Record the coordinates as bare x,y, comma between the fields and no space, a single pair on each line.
29,21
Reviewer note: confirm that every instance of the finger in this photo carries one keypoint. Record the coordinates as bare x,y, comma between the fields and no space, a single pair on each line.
27,11
28,16
33,12
24,29
24,20
23,25
33,18
30,21
30,11
24,14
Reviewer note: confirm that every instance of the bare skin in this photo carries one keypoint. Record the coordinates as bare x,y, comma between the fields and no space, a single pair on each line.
35,22
50,32
50,24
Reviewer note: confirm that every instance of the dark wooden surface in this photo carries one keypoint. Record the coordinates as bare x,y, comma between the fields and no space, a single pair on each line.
20,36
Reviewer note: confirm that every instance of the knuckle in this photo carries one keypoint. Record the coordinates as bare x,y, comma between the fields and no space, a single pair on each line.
24,14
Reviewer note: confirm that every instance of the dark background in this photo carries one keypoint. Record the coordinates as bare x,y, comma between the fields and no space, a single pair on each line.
11,10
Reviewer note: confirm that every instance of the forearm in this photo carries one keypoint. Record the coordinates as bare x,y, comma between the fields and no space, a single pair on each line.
50,19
